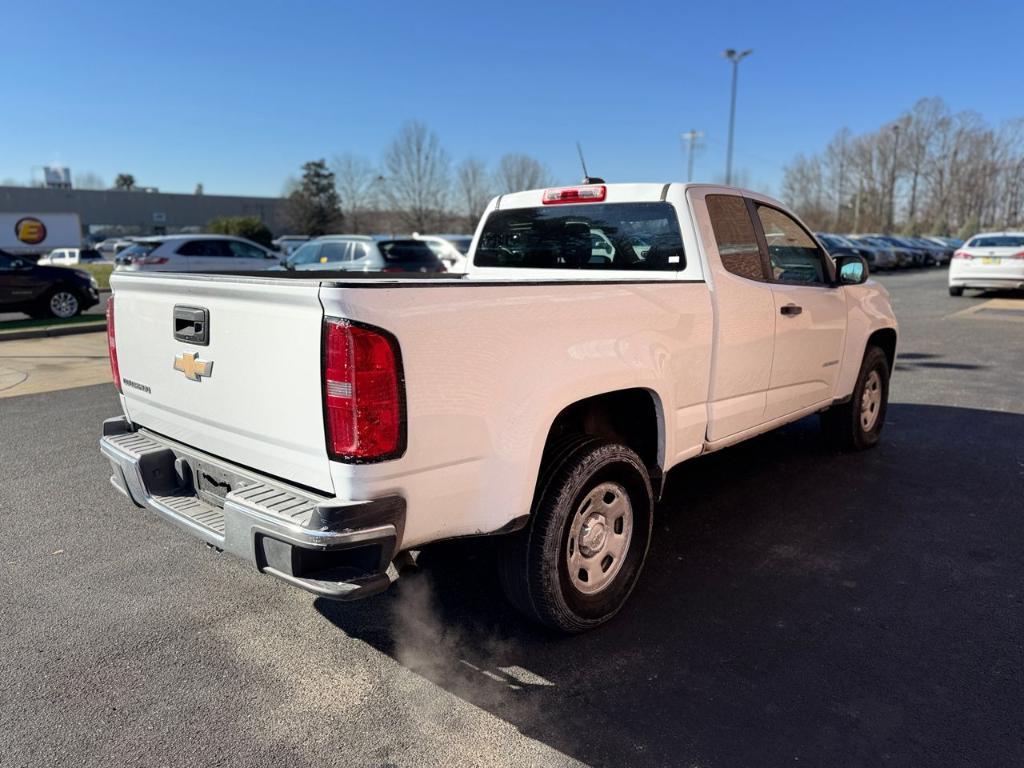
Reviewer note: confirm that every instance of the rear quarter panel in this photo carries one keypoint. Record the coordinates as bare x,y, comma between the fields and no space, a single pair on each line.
488,366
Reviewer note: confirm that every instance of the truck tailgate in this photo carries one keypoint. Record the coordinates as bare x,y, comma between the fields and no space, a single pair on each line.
260,404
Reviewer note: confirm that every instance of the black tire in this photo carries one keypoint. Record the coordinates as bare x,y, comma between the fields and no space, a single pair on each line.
854,425
59,302
534,563
956,290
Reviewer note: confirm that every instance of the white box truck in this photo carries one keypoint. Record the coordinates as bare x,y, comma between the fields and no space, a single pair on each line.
39,233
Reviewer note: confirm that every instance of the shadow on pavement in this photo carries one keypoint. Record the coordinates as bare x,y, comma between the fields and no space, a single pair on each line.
798,607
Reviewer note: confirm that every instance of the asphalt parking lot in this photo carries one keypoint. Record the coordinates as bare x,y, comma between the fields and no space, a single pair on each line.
798,607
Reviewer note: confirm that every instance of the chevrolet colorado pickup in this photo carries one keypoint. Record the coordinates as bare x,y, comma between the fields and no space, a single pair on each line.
325,426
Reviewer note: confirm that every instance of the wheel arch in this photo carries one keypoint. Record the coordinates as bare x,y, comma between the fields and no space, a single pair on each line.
634,416
884,339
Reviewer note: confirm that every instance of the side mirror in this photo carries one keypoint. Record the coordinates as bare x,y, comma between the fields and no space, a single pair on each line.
851,270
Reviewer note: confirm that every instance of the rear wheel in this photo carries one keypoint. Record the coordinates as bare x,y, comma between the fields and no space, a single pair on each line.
857,424
956,290
575,564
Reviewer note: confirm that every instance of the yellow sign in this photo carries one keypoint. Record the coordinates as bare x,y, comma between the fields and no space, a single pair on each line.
30,230
193,368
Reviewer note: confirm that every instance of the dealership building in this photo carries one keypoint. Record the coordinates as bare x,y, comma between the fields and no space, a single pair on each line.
140,211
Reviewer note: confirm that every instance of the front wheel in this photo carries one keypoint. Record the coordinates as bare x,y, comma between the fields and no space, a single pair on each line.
575,564
857,424
61,303
956,290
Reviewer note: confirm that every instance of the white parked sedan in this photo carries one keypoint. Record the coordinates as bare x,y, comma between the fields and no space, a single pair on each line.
991,260
195,253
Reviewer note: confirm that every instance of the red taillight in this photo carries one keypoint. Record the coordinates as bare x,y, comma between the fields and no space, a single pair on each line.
392,269
1019,255
112,345
362,379
962,255
149,260
593,193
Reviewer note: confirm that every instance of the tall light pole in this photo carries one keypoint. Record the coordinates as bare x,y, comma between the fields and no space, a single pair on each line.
735,57
690,137
892,177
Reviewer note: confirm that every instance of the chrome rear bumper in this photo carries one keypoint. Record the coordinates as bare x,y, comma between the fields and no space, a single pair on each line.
337,549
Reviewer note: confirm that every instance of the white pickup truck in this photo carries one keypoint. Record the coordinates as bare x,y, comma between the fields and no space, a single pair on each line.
325,426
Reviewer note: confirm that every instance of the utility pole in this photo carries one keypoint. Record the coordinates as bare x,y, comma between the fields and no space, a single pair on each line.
690,137
892,178
735,57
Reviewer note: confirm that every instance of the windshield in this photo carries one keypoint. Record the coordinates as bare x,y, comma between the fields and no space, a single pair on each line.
305,254
605,236
997,241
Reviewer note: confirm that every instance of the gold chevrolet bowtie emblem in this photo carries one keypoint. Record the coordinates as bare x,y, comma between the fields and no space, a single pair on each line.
189,364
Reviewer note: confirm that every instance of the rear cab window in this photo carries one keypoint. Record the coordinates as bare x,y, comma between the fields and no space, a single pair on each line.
642,236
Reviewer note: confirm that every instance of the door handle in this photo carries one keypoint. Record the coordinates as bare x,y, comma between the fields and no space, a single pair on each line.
791,310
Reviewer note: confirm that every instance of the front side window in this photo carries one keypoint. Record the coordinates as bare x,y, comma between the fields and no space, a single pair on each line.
735,236
632,236
332,251
793,255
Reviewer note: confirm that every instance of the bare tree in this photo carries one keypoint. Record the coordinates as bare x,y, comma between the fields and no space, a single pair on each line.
89,180
357,181
418,175
474,187
518,172
927,171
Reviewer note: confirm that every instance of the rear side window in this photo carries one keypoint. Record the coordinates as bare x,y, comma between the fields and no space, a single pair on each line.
242,250
735,237
205,248
407,251
634,236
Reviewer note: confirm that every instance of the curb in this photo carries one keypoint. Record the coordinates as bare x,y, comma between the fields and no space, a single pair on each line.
53,330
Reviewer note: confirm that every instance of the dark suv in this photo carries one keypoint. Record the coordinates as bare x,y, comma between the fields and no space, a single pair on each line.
44,291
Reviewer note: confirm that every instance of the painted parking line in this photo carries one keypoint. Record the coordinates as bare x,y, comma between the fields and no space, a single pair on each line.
30,366
994,309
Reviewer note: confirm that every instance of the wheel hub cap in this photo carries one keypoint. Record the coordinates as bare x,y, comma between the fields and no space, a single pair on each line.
593,535
599,537
870,401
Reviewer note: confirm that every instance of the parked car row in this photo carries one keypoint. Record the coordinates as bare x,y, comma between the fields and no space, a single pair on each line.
358,253
892,252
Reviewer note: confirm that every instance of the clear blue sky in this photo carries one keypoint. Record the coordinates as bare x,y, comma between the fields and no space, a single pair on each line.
238,95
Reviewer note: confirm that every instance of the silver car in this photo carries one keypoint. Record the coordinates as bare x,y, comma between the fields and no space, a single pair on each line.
195,253
363,253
